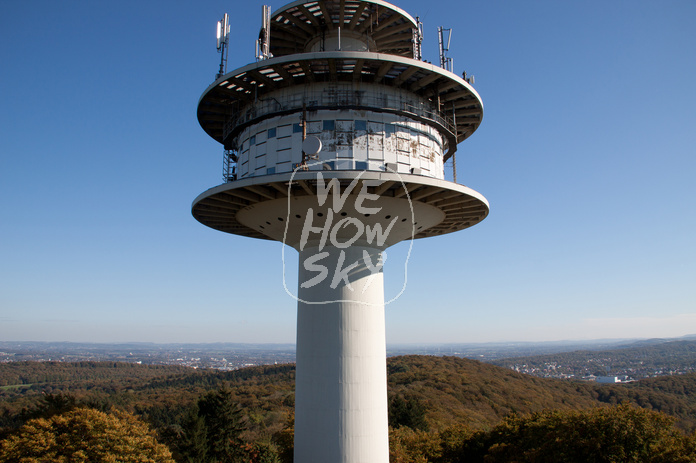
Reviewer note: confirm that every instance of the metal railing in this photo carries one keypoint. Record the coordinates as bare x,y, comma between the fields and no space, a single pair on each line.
336,99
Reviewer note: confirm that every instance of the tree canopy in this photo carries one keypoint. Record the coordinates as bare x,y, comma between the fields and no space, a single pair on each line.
618,434
84,435
442,410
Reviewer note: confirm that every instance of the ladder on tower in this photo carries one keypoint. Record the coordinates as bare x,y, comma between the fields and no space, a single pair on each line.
229,166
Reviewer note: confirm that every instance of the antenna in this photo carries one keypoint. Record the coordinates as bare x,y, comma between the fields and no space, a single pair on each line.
418,40
263,44
223,40
469,78
445,61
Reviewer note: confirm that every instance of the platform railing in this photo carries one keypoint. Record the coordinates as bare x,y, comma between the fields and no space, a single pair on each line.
338,99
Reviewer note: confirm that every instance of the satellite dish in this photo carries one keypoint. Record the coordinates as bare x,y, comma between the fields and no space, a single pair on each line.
311,146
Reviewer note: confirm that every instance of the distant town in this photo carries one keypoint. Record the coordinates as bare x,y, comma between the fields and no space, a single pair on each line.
606,361
223,357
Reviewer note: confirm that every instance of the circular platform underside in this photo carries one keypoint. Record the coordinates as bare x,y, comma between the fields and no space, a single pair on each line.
268,207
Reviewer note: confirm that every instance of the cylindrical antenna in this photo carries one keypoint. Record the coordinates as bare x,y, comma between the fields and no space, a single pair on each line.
264,41
223,38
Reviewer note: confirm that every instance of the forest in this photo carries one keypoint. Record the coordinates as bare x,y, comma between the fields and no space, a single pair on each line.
441,409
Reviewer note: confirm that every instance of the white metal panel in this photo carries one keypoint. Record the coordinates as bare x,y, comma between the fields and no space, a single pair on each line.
284,130
344,125
314,126
271,158
284,143
284,155
283,167
344,151
360,147
344,164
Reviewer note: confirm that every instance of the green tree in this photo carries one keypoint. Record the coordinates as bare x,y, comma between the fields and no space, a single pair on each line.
261,452
191,440
612,434
224,423
84,435
54,404
407,412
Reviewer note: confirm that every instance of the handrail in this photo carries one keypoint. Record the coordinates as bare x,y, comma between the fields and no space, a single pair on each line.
264,108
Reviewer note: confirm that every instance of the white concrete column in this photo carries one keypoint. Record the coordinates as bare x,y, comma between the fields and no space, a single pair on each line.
341,379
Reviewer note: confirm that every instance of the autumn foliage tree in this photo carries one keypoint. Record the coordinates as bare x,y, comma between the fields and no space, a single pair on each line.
84,435
622,433
619,434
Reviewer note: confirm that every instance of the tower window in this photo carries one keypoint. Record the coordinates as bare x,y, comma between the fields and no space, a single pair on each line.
361,125
329,125
272,132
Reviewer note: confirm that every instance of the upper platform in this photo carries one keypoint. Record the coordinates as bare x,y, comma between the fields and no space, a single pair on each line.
303,26
329,41
222,113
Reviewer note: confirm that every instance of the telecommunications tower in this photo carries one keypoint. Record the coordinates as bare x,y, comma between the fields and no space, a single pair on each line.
335,141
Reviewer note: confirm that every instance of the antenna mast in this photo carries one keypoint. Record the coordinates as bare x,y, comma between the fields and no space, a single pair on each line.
445,61
418,40
263,44
223,41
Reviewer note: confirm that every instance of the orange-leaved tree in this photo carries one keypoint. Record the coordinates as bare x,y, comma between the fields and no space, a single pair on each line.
84,435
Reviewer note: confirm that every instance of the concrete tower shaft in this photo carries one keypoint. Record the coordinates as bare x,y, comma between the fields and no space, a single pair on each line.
341,74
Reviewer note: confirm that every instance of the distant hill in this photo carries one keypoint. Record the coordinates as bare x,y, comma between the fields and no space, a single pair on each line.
455,390
640,359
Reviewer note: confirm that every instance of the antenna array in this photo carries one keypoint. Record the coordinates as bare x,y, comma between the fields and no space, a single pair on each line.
445,61
223,41
418,40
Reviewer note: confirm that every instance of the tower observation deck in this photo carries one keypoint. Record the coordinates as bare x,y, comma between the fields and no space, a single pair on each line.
339,103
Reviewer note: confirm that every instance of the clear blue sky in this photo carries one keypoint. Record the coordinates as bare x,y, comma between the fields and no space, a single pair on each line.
586,154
